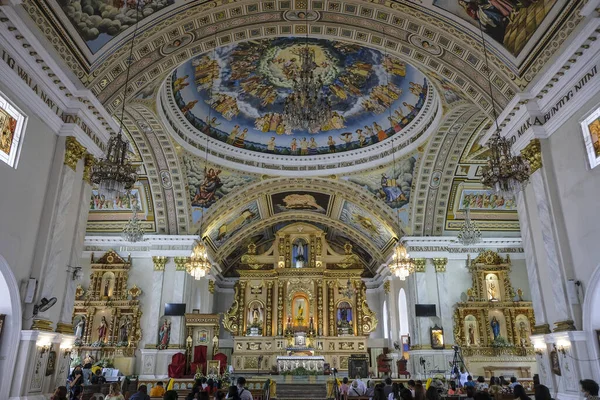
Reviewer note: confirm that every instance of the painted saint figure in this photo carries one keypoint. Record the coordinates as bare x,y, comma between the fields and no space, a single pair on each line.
164,335
495,325
123,331
79,328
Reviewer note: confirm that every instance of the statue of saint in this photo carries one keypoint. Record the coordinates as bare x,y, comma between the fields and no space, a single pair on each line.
492,291
106,287
523,333
123,331
215,343
471,334
495,327
102,330
300,316
255,315
79,328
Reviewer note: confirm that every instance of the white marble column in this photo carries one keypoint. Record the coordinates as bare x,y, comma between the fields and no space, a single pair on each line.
445,307
155,302
57,236
65,320
537,296
179,295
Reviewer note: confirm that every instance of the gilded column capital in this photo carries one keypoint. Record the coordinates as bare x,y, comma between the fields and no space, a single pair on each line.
88,162
74,151
211,286
386,287
440,264
419,264
159,262
533,154
180,263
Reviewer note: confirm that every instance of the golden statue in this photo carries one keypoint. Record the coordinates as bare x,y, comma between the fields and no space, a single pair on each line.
300,316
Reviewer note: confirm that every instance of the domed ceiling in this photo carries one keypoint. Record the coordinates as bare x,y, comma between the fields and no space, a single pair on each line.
241,90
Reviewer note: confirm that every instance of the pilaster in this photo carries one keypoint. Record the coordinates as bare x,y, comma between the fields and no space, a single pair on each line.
58,230
179,285
152,313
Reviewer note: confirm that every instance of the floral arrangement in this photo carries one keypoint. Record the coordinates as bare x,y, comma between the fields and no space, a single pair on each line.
501,342
300,371
76,361
104,363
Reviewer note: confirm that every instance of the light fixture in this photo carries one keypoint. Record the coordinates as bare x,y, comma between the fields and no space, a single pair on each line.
562,346
44,345
114,174
539,348
469,232
505,173
198,265
349,290
402,265
133,231
308,106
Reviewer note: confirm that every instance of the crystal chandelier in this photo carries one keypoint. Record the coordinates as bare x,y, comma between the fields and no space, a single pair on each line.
349,291
308,107
505,173
113,174
198,264
402,265
133,231
469,233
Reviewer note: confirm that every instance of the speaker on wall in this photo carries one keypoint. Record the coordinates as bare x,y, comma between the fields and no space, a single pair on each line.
425,310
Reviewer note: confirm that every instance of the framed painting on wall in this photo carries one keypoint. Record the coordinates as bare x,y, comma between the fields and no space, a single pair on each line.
555,363
437,337
590,128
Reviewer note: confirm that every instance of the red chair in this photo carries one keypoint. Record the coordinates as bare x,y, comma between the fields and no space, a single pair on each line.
401,364
383,365
223,358
177,366
199,360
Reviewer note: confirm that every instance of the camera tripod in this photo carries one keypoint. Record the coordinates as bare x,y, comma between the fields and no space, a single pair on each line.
457,361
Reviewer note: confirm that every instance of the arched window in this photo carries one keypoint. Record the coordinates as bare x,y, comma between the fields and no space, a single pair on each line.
385,320
403,312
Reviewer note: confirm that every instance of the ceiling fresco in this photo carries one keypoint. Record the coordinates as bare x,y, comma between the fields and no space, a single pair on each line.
241,89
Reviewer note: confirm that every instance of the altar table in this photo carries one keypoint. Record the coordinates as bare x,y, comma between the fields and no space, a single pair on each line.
290,363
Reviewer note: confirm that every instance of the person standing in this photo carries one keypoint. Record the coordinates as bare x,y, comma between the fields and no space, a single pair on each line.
141,394
243,393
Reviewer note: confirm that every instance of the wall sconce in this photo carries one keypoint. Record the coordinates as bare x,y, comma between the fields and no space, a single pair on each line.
66,350
44,347
539,351
562,347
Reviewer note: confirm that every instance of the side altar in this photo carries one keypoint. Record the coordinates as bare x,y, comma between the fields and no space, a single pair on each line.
299,304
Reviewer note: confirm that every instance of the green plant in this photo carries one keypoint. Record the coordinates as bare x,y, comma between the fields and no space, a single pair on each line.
500,341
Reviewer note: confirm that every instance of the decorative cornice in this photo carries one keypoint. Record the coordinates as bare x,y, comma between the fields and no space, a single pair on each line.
564,326
420,264
42,325
159,262
88,162
440,264
73,152
66,329
540,329
533,154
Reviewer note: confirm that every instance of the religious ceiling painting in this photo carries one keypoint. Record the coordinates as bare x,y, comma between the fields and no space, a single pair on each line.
449,91
338,240
224,229
99,21
207,185
491,211
390,184
591,137
366,223
111,215
509,22
300,201
243,87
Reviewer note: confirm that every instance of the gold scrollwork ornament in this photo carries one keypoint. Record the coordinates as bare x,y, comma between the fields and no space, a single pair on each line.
369,320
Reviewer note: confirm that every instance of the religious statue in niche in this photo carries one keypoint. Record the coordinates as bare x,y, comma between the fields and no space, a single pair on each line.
471,329
215,343
102,330
255,318
495,325
344,318
79,325
124,330
493,288
164,335
437,337
300,253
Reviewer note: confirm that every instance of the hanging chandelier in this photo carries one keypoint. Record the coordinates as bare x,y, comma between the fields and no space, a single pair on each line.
198,264
402,265
308,107
505,173
133,231
114,174
469,233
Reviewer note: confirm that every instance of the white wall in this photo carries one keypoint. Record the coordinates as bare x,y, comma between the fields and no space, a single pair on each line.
23,192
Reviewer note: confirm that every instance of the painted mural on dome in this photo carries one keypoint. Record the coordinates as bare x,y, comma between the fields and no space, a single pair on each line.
366,223
98,21
373,96
206,188
485,200
511,23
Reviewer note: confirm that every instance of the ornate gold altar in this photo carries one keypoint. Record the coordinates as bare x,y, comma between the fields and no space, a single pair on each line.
495,322
299,298
106,317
